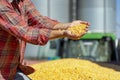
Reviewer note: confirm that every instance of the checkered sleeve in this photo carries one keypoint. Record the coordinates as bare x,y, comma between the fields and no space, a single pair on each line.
16,25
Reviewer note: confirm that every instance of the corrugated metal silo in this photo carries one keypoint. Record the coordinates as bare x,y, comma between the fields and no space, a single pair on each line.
100,13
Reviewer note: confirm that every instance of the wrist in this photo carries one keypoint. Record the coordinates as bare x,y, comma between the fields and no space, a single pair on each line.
56,34
67,25
62,33
62,26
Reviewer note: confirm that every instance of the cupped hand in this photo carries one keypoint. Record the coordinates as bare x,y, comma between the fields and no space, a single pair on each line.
69,35
81,30
78,22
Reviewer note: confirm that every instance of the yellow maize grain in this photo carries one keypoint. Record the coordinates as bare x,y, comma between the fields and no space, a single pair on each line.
72,69
77,29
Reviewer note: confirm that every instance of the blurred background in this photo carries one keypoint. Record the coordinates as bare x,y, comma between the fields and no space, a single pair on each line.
100,44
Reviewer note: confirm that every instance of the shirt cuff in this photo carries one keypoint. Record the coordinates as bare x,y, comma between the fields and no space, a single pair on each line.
44,36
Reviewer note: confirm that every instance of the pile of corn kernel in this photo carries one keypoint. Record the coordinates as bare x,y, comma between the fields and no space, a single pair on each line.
72,69
77,29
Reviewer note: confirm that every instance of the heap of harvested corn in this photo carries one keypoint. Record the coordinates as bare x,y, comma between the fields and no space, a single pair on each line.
72,69
78,29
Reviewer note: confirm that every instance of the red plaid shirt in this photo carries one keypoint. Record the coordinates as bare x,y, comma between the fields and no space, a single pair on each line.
18,26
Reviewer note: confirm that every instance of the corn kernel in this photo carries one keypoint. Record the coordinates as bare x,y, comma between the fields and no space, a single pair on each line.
77,29
72,69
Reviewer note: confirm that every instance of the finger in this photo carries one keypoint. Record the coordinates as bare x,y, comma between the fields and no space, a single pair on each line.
86,29
84,22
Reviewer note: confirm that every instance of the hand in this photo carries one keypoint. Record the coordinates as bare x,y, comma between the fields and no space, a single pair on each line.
78,31
65,26
26,69
61,30
69,35
77,22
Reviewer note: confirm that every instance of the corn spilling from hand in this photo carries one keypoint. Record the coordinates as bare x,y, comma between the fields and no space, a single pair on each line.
72,69
78,29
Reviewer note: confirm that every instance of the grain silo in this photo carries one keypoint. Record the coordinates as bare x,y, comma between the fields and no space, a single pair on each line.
100,13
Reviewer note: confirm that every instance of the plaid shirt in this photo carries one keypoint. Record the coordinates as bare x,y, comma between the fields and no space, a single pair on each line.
19,24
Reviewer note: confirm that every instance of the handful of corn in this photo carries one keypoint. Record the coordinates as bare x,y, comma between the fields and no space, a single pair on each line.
77,29
72,69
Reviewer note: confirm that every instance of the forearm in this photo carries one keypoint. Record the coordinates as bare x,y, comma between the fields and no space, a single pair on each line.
54,34
62,26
